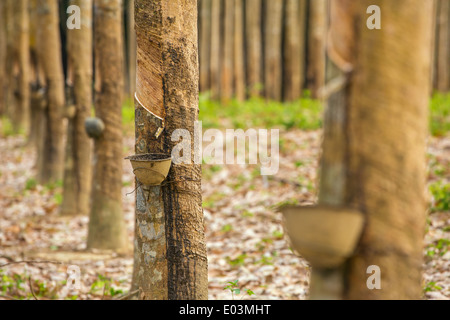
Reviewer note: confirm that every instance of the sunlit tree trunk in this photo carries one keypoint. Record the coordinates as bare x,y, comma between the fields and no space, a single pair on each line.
106,225
170,251
316,46
253,11
49,46
77,174
273,34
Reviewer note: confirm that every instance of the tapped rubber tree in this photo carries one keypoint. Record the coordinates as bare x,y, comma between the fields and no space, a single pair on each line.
51,159
170,253
77,173
376,125
106,224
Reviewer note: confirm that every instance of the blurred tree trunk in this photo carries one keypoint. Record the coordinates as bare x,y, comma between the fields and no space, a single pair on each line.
37,79
380,112
443,46
238,49
131,49
273,49
77,174
106,224
316,46
294,49
51,169
170,251
3,76
226,72
253,11
216,46
205,44
21,116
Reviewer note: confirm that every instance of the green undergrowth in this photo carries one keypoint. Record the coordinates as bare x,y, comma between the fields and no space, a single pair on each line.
440,114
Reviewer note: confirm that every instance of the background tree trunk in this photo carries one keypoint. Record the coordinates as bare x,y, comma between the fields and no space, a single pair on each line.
273,53
131,49
205,44
3,74
226,72
316,46
443,46
170,250
106,224
238,49
294,49
77,176
253,11
215,48
52,160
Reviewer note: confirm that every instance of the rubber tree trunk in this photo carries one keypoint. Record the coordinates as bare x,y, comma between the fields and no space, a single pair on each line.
316,46
254,47
377,115
216,48
131,49
273,35
3,78
77,174
226,72
52,160
238,51
170,251
205,44
21,114
443,46
294,49
106,225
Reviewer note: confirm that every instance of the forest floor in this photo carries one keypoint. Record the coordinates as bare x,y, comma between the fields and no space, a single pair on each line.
244,232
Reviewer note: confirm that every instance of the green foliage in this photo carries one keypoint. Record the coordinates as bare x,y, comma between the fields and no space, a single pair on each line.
104,286
431,286
239,261
31,184
440,114
6,127
235,290
441,196
440,247
304,114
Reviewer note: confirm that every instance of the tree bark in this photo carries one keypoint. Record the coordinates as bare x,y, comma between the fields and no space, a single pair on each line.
226,72
216,48
273,49
77,175
170,250
254,48
316,46
51,169
131,48
378,114
238,49
106,225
